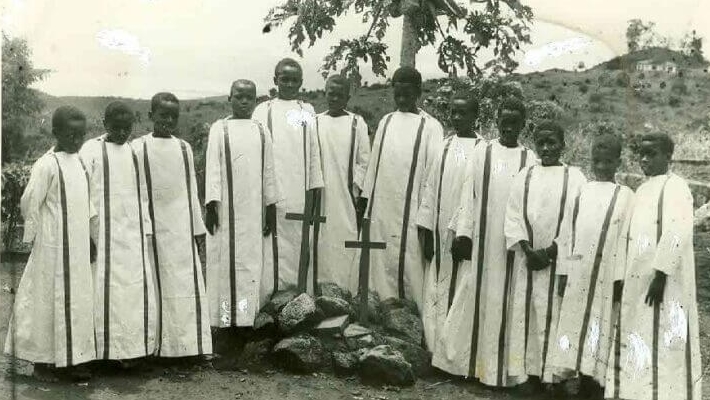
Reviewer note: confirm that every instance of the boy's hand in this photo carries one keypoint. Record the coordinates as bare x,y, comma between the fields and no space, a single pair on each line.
426,239
270,220
360,207
211,217
618,290
656,289
461,248
92,251
562,285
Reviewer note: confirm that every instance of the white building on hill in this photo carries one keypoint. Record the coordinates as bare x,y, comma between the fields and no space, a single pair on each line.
649,65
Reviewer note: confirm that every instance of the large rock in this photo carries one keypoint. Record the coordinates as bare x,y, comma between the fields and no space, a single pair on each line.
279,300
415,355
264,322
355,330
384,365
330,289
395,303
332,326
299,314
402,323
333,306
302,353
344,364
373,307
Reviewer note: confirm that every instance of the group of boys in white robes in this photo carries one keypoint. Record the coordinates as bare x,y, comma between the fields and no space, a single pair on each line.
519,267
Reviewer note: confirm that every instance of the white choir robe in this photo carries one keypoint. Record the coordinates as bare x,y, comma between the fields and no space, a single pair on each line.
538,197
479,314
403,151
440,201
591,246
345,152
298,169
124,285
166,167
240,178
657,350
51,319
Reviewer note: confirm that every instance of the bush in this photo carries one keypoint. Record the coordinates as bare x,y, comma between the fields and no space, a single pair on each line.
679,87
14,180
674,101
623,79
583,88
641,76
377,86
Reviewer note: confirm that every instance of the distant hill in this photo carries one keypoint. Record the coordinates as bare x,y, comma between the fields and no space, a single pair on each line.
656,55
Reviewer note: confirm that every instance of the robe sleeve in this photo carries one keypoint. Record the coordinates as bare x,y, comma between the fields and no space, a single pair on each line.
369,179
464,215
213,163
514,228
677,234
315,168
89,155
34,196
272,192
362,155
435,138
260,113
197,222
622,249
426,215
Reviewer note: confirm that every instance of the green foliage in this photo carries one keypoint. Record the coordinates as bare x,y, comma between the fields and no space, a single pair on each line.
674,101
19,101
583,88
15,176
500,25
623,79
640,35
679,87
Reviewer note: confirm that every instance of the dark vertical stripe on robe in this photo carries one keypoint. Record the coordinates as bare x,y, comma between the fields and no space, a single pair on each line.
509,263
198,308
65,263
142,239
483,219
232,236
107,248
377,166
407,208
594,276
528,278
553,271
274,234
688,365
437,235
154,241
316,210
657,306
351,159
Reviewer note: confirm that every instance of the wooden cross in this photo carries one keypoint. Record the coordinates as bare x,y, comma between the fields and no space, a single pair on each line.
365,244
307,218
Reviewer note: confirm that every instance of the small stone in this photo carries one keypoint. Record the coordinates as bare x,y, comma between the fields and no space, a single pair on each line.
364,342
405,325
302,353
264,321
344,364
333,306
383,365
332,326
414,354
330,289
300,313
354,330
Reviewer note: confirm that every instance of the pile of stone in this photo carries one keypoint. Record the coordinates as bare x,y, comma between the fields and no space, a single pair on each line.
305,334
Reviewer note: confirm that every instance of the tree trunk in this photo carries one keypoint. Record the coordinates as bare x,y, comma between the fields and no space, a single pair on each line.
410,46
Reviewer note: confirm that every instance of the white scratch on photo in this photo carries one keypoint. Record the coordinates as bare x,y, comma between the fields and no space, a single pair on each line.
299,118
564,343
678,325
639,355
555,49
593,337
125,42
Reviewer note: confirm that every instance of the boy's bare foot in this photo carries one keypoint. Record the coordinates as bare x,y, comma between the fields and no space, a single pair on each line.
45,373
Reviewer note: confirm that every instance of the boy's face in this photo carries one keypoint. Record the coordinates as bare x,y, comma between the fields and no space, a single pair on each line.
165,118
119,127
243,100
510,123
337,96
604,164
406,96
654,161
288,79
549,147
462,116
71,135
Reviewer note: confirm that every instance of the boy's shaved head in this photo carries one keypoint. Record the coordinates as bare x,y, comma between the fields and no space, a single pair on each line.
608,143
242,83
512,104
161,97
62,115
287,62
662,140
338,80
469,97
550,126
115,108
407,75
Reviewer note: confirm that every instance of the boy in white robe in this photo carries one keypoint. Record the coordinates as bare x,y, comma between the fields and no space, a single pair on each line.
475,339
403,151
538,198
125,312
440,201
656,354
51,324
240,197
591,246
345,152
168,172
291,124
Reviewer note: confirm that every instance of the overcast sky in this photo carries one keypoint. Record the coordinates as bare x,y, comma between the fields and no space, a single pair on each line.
134,48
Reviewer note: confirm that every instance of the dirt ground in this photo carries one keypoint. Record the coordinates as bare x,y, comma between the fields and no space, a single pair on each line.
152,382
